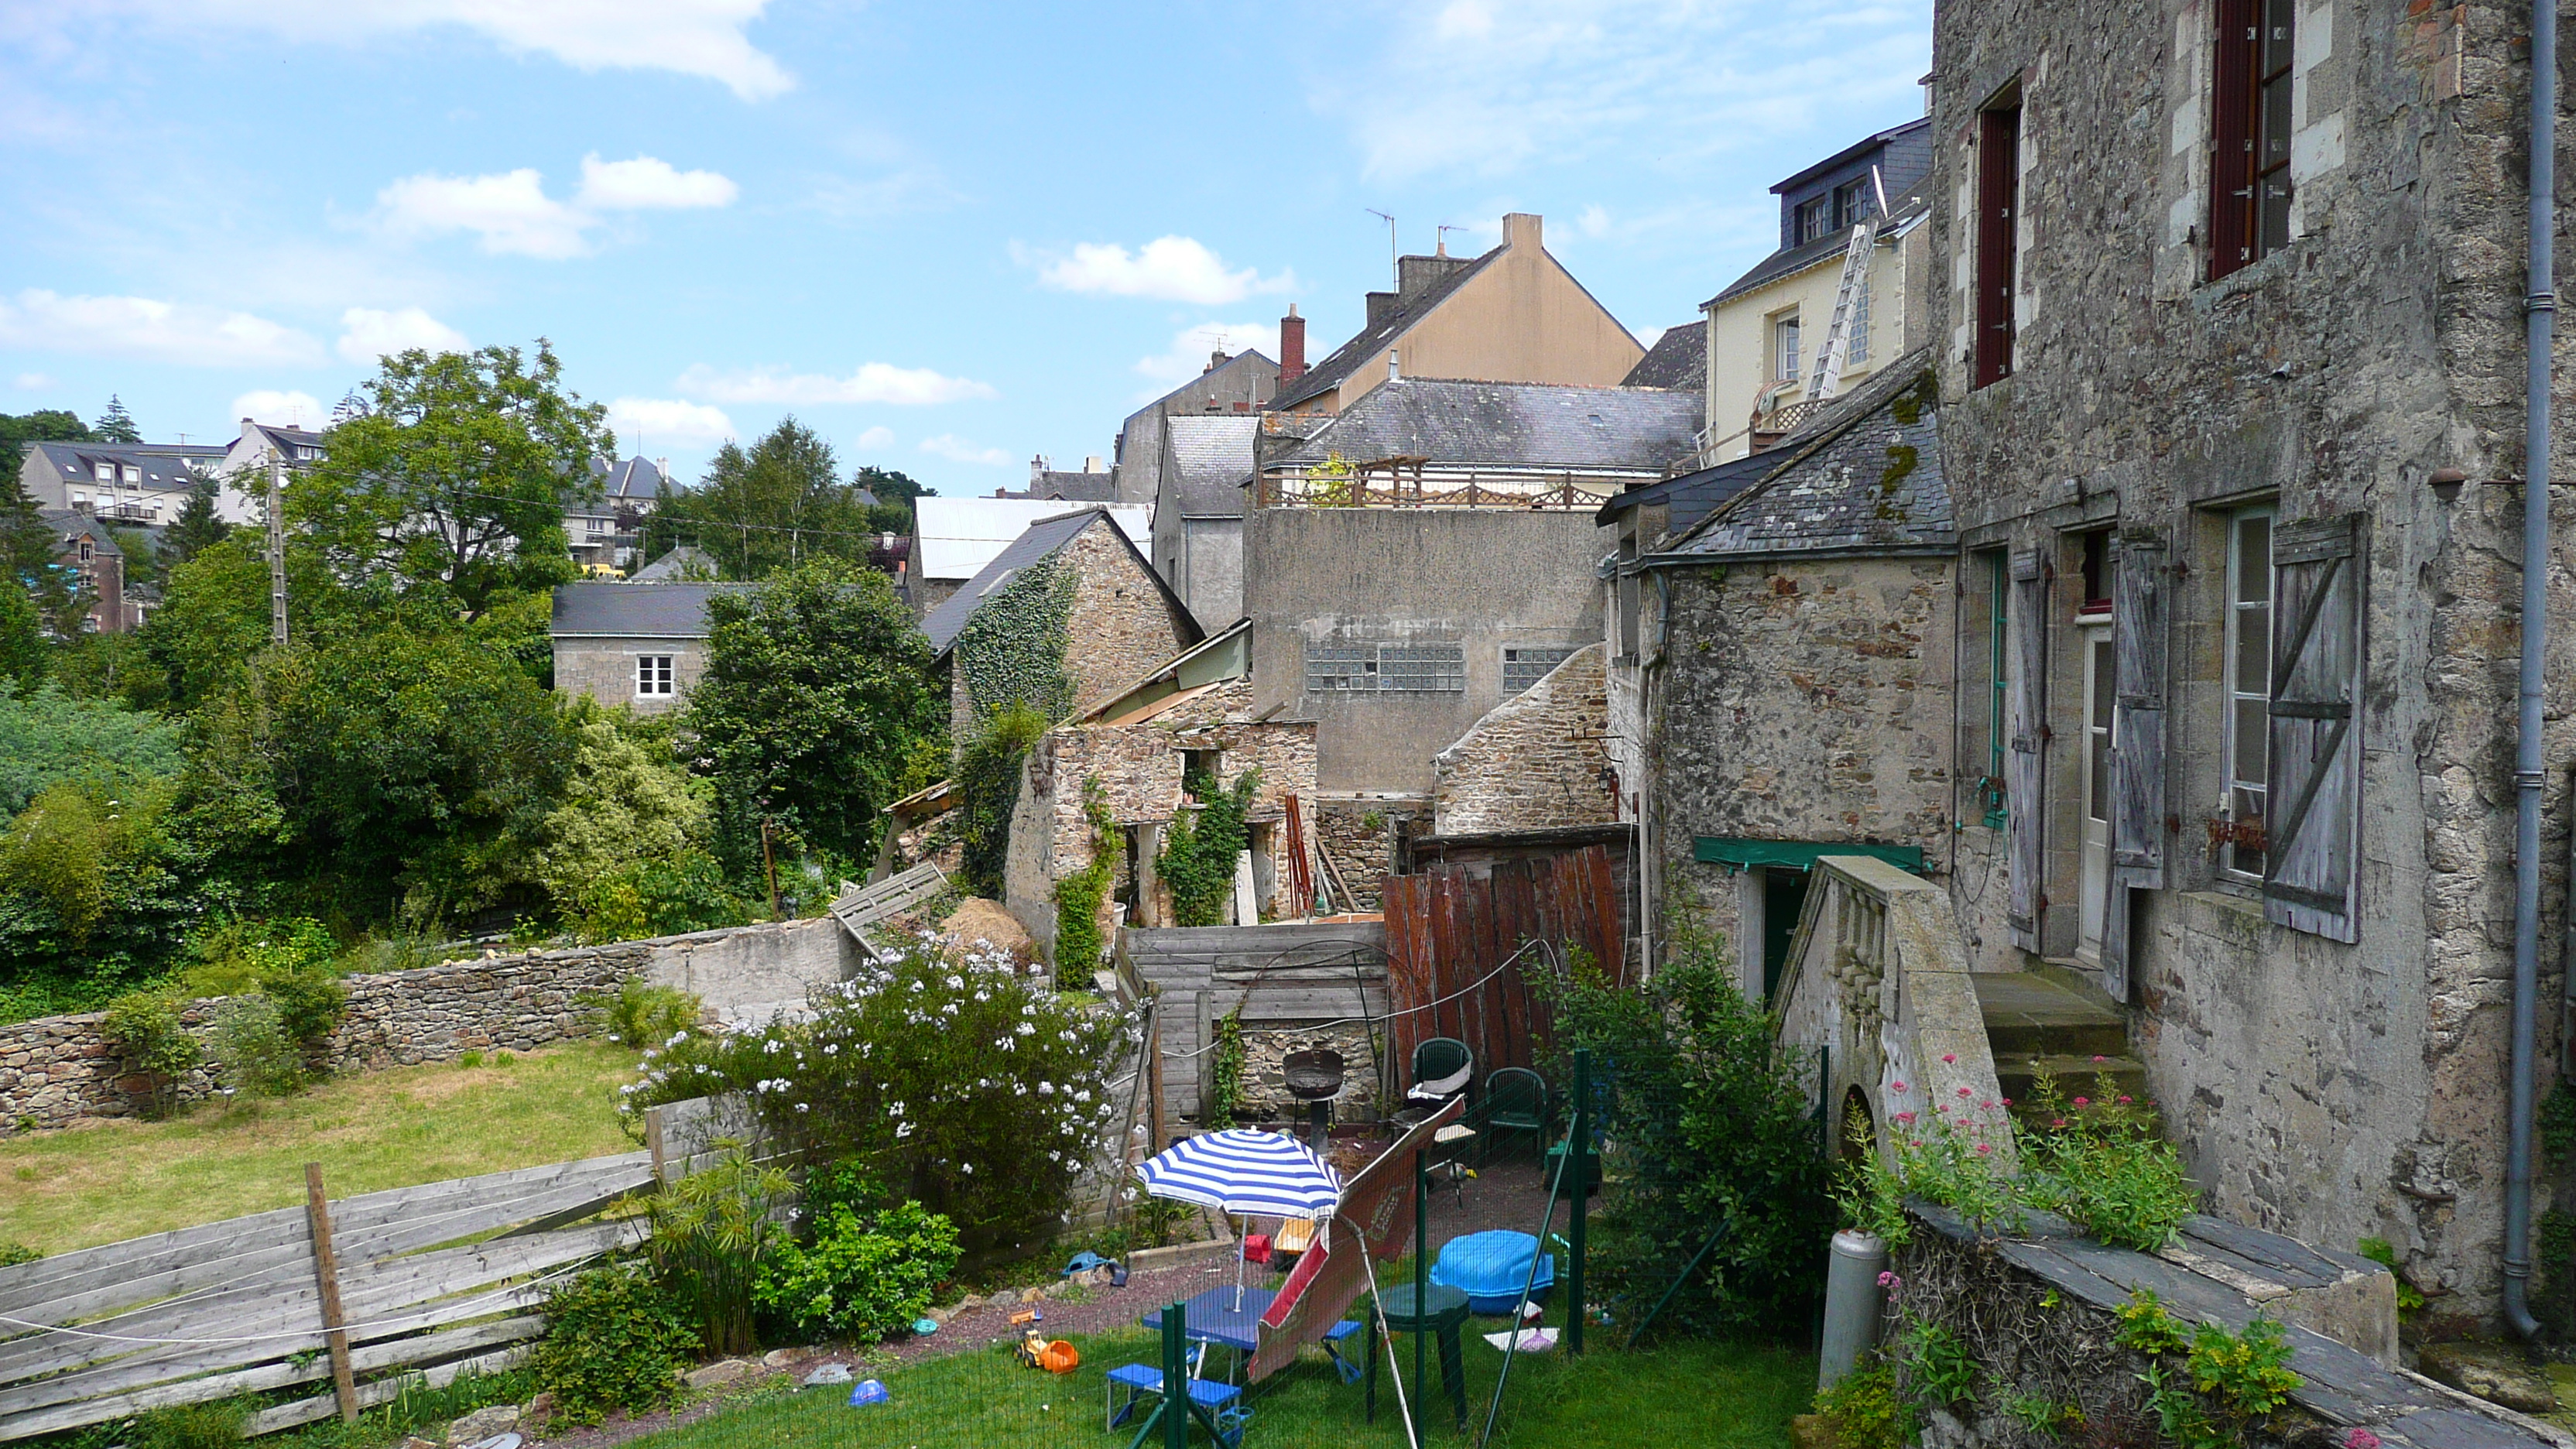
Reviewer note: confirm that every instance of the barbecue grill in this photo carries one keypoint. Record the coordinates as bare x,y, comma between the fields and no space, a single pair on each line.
1315,1078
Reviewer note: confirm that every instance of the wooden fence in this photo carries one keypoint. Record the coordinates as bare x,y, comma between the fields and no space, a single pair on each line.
1274,975
1450,932
369,1294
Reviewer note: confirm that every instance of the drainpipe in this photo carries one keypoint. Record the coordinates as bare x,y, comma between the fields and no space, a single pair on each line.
2538,307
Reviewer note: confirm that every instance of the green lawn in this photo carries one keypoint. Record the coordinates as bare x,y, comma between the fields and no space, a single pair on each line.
1688,1396
123,1179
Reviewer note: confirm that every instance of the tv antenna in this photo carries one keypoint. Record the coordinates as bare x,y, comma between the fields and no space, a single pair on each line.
1440,237
1391,267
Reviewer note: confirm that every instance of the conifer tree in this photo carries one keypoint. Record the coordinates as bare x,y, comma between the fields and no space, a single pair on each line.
116,425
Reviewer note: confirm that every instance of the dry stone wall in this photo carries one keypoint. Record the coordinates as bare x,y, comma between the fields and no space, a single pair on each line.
1537,761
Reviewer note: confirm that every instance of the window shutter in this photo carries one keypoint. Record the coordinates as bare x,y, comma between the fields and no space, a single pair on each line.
2026,700
2312,855
2139,594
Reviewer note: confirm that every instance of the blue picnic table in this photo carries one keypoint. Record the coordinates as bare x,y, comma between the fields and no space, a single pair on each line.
1230,1317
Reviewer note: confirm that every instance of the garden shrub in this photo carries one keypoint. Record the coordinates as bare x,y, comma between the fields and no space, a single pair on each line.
191,1426
959,1081
2099,1162
251,1043
146,1027
662,897
865,1277
1225,1069
614,1340
1079,940
1707,1128
640,1014
711,1231
12,1254
1201,848
1865,1409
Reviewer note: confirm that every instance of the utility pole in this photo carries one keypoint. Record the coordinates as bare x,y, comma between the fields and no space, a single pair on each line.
277,551
1393,267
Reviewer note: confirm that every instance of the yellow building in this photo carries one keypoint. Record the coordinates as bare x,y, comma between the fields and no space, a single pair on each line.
1765,330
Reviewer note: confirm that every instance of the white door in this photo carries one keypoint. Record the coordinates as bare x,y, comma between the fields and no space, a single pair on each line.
2098,688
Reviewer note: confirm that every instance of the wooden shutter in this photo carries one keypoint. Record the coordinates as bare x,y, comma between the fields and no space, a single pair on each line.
2026,701
2232,162
1998,220
2312,848
2138,610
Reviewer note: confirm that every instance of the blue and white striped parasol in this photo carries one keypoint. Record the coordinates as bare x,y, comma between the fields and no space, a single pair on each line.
1249,1174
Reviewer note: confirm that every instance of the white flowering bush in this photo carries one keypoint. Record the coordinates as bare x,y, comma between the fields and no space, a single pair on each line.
955,1077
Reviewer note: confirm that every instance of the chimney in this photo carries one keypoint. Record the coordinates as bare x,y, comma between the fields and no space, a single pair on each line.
1092,465
1037,470
1521,229
1292,346
1381,305
1216,359
1393,371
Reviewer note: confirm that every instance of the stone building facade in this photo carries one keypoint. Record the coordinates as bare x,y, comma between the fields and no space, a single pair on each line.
2201,396
1535,762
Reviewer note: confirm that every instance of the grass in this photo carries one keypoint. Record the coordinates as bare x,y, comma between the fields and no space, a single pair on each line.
124,1179
1706,1395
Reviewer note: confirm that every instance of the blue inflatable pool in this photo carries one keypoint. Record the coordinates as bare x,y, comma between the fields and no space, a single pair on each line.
1490,1269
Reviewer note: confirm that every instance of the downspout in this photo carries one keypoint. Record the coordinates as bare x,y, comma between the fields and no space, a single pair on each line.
2539,307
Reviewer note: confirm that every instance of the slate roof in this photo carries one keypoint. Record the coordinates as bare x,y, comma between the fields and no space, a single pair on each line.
1072,487
1510,424
1679,358
1868,482
1210,457
164,465
1040,542
633,478
633,610
71,524
1328,374
1693,496
1904,212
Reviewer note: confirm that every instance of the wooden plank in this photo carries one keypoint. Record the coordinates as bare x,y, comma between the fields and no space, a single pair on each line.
306,1411
1342,1005
326,1278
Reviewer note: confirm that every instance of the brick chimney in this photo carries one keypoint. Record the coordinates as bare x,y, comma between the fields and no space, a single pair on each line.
1292,346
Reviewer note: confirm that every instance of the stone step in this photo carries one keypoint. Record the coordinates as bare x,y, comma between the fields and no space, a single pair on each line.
2076,1077
2028,1014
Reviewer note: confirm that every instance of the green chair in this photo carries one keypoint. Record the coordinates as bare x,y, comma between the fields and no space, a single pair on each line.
1447,1313
1443,1068
1515,1101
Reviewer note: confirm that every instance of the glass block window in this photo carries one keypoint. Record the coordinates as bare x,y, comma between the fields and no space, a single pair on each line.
1428,668
1523,667
1337,669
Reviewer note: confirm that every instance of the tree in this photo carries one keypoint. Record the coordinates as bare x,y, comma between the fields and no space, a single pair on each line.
767,507
817,687
896,493
116,425
196,526
456,478
28,549
49,425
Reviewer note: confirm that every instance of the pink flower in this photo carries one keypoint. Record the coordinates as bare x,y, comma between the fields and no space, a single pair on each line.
1949,1056
1984,1148
2083,1101
2124,1101
2361,1439
2099,1059
1963,1091
2007,1101
1905,1117
2060,1122
1896,1086
1985,1106
1890,1282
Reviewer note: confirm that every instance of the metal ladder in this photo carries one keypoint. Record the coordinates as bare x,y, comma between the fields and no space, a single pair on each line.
1828,373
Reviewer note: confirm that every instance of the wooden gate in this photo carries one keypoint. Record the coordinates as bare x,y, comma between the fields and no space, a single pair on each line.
1450,931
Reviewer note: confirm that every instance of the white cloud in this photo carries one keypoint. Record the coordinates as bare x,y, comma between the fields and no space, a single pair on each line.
1191,346
1170,269
1594,222
689,37
876,437
648,181
667,421
949,445
373,334
873,382
511,213
292,409
150,330
33,382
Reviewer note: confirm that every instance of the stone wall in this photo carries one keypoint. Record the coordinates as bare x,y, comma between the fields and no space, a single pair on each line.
1360,835
1265,1085
1536,762
60,1069
604,669
1123,626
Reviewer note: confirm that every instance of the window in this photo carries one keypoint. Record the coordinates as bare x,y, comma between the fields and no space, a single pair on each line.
1998,218
2098,565
652,676
88,550
2249,690
133,475
106,472
2249,171
1784,348
1811,220
1852,204
1998,669
594,525
1523,667
1381,668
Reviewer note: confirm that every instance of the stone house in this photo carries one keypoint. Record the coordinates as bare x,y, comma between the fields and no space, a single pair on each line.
87,549
604,531
1192,714
1768,329
1536,761
1198,514
643,645
1066,616
1514,314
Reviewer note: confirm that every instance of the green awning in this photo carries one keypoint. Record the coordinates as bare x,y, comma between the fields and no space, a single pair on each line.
1737,854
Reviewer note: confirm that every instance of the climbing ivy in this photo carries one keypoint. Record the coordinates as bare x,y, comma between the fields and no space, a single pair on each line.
988,775
1078,939
1199,852
1011,652
1225,1069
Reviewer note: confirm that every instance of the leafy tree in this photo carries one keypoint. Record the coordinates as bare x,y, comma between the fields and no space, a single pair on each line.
896,493
93,894
143,562
767,507
116,425
817,687
212,621
24,655
48,737
456,478
197,526
28,545
46,425
628,799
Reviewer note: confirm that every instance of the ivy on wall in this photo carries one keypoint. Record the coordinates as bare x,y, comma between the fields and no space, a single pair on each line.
988,776
1079,941
1011,653
1200,850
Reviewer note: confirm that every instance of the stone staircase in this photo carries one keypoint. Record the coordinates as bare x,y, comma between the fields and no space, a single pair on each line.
2041,1021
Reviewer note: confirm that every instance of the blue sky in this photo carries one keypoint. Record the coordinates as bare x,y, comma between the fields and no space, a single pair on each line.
948,236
